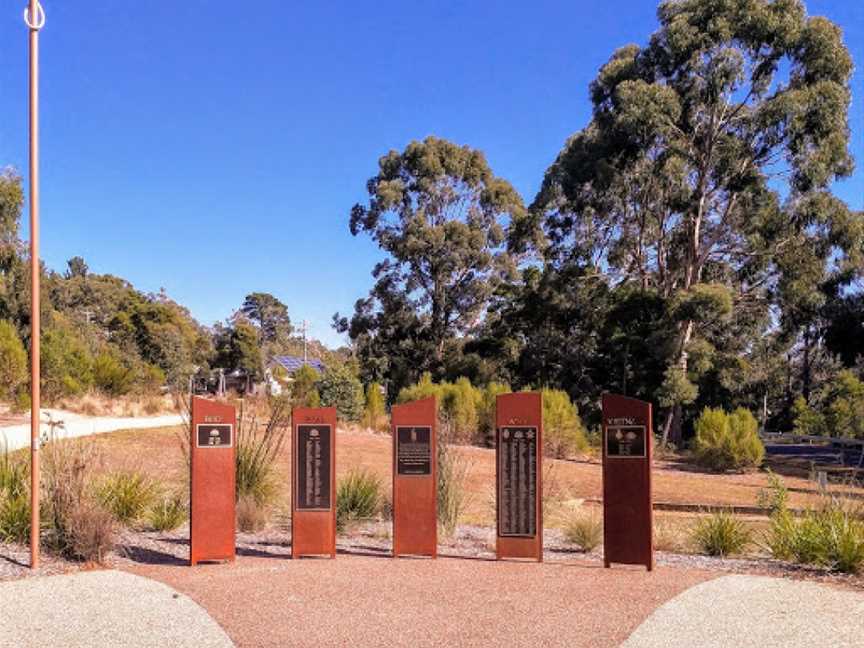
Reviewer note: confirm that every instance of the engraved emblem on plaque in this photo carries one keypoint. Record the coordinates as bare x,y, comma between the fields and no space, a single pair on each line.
210,435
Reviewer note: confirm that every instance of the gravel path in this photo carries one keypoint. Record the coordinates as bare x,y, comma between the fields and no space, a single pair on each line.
375,601
757,612
104,608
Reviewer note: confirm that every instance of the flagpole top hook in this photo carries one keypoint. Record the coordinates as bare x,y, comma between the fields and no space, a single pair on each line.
39,21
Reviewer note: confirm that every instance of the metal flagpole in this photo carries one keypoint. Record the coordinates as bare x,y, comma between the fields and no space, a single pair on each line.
34,17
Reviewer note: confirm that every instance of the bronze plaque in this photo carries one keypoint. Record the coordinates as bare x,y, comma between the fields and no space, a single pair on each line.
313,467
414,450
623,441
517,487
211,435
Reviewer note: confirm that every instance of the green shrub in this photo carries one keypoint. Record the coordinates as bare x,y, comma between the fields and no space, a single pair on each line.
747,448
358,497
459,406
486,410
339,387
127,495
584,529
67,364
303,390
728,441
375,411
806,420
13,362
452,491
563,434
168,513
720,534
111,376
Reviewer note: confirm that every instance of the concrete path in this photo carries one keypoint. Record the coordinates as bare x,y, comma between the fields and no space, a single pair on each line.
76,425
102,608
757,612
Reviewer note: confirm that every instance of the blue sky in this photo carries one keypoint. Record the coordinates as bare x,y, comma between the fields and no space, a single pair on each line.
215,148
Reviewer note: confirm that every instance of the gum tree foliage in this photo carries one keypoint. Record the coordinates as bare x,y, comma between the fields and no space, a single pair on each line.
440,214
238,347
270,316
339,387
706,166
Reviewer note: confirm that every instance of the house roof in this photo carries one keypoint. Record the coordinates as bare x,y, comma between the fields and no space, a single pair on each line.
293,363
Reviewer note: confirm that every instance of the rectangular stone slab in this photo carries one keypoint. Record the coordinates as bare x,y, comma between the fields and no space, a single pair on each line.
212,481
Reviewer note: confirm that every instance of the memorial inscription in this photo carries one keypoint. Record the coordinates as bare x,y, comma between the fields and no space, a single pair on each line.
313,467
517,499
214,436
414,450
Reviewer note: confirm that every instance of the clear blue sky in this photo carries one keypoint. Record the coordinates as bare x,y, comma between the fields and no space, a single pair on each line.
214,148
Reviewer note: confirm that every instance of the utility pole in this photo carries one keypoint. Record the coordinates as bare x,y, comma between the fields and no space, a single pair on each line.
304,327
34,17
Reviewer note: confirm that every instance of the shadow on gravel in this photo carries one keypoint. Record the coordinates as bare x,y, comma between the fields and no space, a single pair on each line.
260,553
17,563
149,556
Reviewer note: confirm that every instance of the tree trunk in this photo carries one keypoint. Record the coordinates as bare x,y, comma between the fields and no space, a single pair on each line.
672,425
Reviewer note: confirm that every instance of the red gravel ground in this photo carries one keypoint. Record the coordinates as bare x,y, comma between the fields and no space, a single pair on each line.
364,600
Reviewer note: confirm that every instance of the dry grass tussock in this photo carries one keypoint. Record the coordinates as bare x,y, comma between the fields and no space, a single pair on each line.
93,404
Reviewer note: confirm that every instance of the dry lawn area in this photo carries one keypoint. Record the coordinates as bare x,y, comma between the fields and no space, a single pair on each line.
157,453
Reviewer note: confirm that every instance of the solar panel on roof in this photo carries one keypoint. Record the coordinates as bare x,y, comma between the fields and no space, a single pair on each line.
293,363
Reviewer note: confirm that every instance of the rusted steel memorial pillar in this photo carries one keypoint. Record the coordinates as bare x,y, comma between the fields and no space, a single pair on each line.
313,482
627,500
415,504
212,478
519,475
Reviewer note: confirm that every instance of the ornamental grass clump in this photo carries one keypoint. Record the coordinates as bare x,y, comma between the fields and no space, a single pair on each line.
127,495
14,497
168,513
76,524
259,446
721,534
584,529
452,488
359,496
829,535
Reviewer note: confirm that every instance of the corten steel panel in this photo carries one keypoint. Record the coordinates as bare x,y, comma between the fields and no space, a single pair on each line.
313,532
212,477
627,498
520,410
415,505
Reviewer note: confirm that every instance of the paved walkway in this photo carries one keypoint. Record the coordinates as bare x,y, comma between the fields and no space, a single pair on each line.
102,608
372,601
14,437
377,601
757,612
